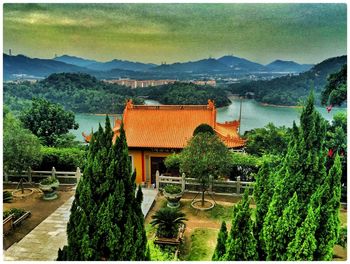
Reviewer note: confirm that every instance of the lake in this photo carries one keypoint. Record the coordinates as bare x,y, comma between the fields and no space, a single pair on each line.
254,115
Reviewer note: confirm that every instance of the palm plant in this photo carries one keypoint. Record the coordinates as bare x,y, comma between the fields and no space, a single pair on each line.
168,221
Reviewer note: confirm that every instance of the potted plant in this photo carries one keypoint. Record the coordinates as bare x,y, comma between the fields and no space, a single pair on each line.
49,187
173,194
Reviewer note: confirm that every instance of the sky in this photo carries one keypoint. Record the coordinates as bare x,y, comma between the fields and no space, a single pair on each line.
306,33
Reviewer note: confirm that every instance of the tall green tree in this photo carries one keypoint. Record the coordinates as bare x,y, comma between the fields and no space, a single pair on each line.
220,249
106,221
241,243
21,147
335,92
204,156
303,170
48,121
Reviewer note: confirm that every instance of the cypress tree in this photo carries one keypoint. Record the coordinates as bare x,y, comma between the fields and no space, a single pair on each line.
241,244
263,191
106,221
220,248
329,224
302,171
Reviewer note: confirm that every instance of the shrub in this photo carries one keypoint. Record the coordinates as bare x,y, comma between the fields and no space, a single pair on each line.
48,180
203,128
172,189
168,221
343,237
158,253
63,159
6,196
16,211
172,162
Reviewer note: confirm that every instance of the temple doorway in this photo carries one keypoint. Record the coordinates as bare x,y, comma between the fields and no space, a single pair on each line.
157,163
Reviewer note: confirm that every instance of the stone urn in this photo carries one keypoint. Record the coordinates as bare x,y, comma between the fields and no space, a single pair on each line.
173,194
49,187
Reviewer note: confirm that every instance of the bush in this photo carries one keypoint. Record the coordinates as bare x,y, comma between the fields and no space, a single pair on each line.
48,181
16,211
343,237
7,197
172,189
63,159
160,253
172,162
203,128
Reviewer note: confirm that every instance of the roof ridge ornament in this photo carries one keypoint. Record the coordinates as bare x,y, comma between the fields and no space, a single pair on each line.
211,104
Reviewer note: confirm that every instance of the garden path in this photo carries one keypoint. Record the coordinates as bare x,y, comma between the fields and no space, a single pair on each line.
43,242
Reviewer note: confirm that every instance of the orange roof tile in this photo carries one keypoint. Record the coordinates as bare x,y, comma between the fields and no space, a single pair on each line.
171,126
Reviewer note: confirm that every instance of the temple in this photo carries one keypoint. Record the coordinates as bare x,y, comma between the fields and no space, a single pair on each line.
154,132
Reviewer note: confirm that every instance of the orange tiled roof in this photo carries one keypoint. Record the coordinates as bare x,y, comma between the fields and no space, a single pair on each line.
171,126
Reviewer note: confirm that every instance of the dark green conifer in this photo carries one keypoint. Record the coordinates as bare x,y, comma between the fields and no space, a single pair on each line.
106,221
220,248
241,244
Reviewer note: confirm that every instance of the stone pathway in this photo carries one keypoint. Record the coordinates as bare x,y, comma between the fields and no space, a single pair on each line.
43,242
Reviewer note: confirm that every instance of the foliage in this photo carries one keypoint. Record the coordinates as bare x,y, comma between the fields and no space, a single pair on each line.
172,162
185,94
172,189
63,159
49,180
6,197
335,92
157,253
168,221
268,140
48,121
21,147
241,243
220,249
336,140
290,89
203,128
17,212
77,92
106,220
244,165
204,156
343,237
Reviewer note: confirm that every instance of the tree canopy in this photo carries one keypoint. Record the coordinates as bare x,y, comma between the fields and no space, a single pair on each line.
48,121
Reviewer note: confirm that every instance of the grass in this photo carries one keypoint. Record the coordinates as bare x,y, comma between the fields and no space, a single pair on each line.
201,245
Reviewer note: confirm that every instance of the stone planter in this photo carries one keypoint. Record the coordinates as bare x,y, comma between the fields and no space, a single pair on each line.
7,224
173,199
49,190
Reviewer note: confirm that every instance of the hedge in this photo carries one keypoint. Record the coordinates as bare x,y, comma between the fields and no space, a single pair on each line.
63,159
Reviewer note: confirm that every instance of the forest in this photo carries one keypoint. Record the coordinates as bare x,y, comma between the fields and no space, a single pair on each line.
290,89
82,93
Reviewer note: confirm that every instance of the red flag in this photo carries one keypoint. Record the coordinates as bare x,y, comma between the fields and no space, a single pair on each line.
330,153
329,108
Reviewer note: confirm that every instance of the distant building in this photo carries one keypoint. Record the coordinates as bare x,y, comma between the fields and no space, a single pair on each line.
154,132
147,83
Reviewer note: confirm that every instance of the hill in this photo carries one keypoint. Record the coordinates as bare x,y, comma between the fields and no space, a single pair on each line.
121,65
201,66
288,90
77,61
185,94
78,92
240,64
22,65
287,66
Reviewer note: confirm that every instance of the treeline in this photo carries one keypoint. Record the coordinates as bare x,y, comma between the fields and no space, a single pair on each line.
82,93
185,93
289,90
78,92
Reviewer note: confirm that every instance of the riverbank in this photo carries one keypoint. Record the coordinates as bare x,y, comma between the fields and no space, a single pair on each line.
282,106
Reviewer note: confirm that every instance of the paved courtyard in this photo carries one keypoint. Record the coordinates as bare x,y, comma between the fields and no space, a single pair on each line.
43,242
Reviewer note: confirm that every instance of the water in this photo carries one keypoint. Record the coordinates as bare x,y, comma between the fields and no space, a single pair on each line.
254,115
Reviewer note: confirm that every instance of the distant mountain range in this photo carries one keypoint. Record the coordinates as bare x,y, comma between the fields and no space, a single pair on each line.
289,89
227,65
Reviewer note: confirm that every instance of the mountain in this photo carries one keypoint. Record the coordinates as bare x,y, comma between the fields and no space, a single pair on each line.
290,89
22,65
201,66
120,64
287,66
240,64
77,61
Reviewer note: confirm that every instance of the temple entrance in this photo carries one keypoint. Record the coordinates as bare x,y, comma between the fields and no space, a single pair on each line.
157,163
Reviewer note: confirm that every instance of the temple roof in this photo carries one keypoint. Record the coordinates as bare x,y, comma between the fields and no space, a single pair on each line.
171,126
